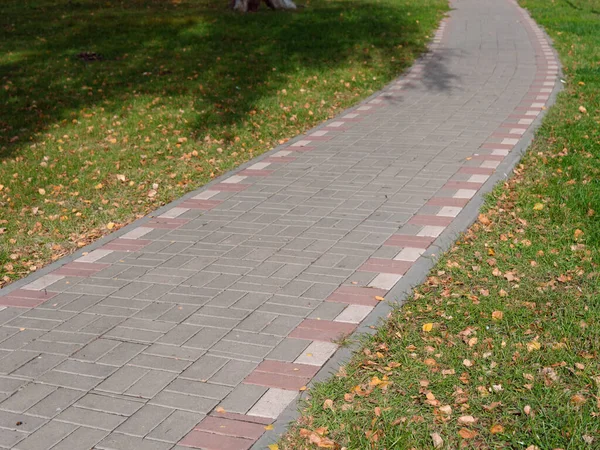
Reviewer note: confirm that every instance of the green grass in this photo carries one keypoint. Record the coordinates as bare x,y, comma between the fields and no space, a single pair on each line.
182,91
514,306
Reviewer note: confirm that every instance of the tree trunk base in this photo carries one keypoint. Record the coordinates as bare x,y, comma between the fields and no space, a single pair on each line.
252,5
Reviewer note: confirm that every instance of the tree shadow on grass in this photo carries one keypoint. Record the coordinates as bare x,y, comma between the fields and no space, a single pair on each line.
68,59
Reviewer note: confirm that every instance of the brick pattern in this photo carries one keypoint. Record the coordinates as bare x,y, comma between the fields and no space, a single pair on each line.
232,299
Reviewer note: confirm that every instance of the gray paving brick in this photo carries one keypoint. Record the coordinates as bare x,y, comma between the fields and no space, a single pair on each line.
172,351
212,321
9,420
285,310
122,379
80,302
69,380
38,366
109,404
199,388
85,368
241,350
77,322
151,384
153,311
95,350
251,301
9,438
179,313
179,334
256,322
155,293
282,326
206,338
26,397
118,441
327,311
144,420
233,372
56,402
8,385
184,402
242,398
176,426
251,338
204,368
81,438
288,349
160,363
226,299
121,354
54,348
47,436
131,290
90,418
16,359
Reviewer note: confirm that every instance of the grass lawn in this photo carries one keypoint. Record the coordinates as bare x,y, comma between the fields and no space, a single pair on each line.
500,348
110,109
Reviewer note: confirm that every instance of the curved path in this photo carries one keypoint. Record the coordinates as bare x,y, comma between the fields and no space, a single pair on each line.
199,326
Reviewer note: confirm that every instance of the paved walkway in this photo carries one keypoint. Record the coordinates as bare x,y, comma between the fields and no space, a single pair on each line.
198,327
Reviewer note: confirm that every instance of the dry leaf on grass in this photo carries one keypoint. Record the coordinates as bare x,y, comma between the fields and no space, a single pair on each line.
438,442
497,429
466,433
466,420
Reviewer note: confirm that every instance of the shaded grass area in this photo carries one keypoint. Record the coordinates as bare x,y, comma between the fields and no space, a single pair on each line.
499,348
110,109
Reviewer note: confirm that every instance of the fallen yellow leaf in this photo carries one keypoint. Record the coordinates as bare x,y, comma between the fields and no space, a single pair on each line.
497,315
273,447
269,427
467,434
538,206
484,220
497,429
110,225
427,327
379,298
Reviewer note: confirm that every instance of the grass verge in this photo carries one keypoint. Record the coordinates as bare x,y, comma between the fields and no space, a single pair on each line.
111,109
499,348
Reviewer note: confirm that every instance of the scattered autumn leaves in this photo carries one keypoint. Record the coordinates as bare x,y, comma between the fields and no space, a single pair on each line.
88,147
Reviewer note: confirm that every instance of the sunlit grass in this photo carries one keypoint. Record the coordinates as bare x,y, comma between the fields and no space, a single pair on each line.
168,95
